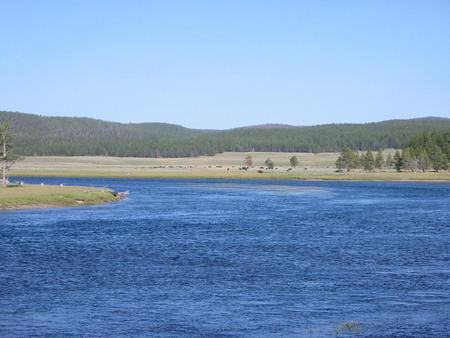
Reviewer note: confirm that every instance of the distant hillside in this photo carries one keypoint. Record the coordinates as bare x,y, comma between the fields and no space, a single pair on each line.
327,137
71,136
76,128
271,126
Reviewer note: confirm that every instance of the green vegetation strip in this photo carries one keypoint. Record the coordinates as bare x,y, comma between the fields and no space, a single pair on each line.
36,196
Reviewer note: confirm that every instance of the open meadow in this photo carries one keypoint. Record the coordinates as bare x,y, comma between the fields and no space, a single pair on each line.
311,166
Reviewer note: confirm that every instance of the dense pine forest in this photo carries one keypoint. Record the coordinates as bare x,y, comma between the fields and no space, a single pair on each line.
71,136
425,151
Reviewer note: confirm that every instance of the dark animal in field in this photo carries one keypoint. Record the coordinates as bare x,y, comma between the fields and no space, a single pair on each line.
260,171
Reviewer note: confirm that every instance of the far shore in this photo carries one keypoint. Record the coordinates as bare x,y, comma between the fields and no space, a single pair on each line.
347,176
312,167
52,196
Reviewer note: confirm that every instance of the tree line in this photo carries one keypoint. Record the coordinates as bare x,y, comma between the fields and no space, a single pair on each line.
349,159
423,152
426,151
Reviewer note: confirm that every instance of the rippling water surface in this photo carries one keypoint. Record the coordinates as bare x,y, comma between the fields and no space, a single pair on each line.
203,258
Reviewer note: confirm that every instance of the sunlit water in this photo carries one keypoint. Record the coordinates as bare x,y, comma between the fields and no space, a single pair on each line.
203,258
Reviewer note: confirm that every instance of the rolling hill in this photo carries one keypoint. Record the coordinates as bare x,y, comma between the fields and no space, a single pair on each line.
74,136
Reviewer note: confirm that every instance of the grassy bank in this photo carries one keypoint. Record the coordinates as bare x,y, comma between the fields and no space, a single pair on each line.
352,176
36,196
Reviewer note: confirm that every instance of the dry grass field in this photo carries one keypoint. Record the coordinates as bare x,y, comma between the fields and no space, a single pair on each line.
225,165
229,159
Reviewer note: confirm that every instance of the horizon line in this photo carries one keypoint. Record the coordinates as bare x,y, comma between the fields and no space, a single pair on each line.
262,125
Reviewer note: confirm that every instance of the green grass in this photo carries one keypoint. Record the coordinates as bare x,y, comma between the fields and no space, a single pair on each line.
36,196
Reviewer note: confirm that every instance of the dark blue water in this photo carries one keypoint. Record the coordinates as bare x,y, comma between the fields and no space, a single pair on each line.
193,258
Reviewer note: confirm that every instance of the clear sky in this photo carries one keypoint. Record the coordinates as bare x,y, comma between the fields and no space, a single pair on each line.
222,64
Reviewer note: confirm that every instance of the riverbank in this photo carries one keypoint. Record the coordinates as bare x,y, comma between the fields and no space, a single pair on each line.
268,174
51,196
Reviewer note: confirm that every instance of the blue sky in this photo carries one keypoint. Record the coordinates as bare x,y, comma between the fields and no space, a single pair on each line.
222,64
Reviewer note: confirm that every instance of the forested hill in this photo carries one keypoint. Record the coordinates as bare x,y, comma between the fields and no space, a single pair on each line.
78,128
70,136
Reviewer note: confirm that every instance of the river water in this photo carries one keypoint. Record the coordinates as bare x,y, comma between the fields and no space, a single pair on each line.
215,258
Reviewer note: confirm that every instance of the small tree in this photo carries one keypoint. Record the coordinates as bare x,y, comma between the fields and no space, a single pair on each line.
379,160
340,164
424,161
438,159
409,160
389,161
398,161
248,161
368,161
7,156
294,161
269,163
347,160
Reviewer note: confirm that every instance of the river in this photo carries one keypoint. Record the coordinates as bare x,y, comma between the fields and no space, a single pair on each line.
217,258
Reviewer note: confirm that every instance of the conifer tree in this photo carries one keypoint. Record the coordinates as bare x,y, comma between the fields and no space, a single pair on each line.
379,160
409,160
269,163
438,159
368,161
361,160
423,161
389,161
293,161
348,160
398,161
340,164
